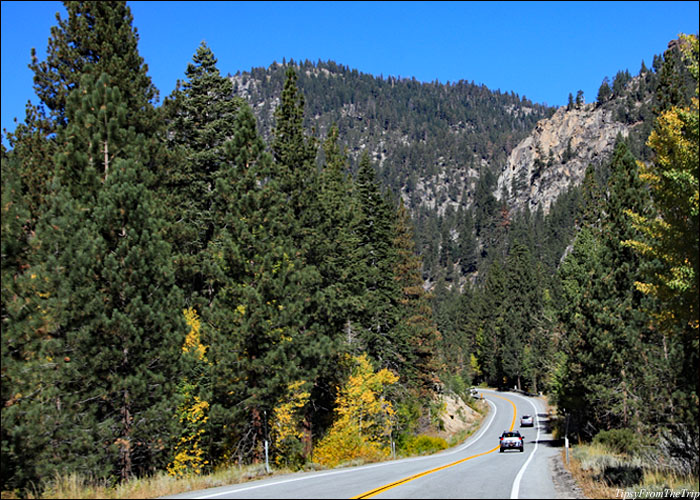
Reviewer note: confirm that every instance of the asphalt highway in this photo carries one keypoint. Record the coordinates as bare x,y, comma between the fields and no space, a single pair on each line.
474,469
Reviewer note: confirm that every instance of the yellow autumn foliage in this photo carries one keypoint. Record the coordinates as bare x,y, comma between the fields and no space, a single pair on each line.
286,422
363,418
192,340
193,412
670,234
189,456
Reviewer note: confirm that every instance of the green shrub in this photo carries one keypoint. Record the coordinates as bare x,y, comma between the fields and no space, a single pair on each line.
620,441
423,445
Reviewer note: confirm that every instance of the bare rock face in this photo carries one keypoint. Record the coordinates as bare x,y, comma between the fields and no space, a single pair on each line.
557,154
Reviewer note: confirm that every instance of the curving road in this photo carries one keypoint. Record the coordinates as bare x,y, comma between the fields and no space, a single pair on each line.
474,469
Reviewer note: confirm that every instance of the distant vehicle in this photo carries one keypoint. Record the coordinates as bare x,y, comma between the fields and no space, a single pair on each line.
511,440
473,393
527,421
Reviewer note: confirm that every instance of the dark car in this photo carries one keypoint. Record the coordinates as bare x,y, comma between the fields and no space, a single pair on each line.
511,440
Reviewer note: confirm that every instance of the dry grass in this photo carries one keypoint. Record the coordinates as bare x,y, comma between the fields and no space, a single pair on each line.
162,484
657,480
588,462
585,478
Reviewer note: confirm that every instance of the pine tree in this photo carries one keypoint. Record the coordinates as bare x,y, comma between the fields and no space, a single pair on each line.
523,310
416,333
200,117
252,259
17,342
493,324
106,410
32,149
468,311
293,150
335,240
263,337
376,262
334,250
676,83
624,329
604,92
316,210
581,268
605,317
467,244
96,37
591,199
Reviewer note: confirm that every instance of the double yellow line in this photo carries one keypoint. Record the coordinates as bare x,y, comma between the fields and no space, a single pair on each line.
381,489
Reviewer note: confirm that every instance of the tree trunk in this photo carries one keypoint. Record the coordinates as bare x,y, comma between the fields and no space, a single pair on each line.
125,440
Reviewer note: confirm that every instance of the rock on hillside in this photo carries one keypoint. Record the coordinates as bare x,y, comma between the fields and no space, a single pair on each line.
556,154
457,416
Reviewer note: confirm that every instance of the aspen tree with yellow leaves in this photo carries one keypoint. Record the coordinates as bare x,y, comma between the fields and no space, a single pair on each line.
363,424
191,455
672,232
671,240
287,425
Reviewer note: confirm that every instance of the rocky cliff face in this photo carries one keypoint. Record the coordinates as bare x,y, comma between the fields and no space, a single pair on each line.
556,155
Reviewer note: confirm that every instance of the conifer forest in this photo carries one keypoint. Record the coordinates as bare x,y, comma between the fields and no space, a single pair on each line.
250,262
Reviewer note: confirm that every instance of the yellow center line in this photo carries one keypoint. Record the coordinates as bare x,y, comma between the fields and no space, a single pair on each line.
381,489
512,424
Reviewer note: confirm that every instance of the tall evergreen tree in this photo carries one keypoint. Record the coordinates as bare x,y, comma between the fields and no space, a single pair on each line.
523,310
18,344
416,333
310,197
106,299
376,259
467,244
262,312
96,37
200,116
251,327
581,268
293,150
605,317
493,324
32,149
604,92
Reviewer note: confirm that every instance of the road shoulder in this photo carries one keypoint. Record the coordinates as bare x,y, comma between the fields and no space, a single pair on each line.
564,483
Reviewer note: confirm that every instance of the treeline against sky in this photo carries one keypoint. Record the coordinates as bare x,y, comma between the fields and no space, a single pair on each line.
171,282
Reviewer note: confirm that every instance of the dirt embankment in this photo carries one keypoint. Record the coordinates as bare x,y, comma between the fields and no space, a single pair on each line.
457,417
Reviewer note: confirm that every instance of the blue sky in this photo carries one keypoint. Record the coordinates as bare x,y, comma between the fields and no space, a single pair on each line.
543,50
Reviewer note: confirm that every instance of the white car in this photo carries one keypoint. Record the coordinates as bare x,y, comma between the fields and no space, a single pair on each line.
510,440
527,421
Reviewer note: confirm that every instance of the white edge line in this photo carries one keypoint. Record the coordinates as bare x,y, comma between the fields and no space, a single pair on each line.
516,484
354,469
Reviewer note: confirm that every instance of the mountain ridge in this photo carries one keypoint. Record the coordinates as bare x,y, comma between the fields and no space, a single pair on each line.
432,143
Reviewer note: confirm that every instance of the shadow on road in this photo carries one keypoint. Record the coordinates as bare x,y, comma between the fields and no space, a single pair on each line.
545,425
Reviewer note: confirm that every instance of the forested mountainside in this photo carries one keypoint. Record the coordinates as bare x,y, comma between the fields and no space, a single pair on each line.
430,142
416,133
185,284
447,148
